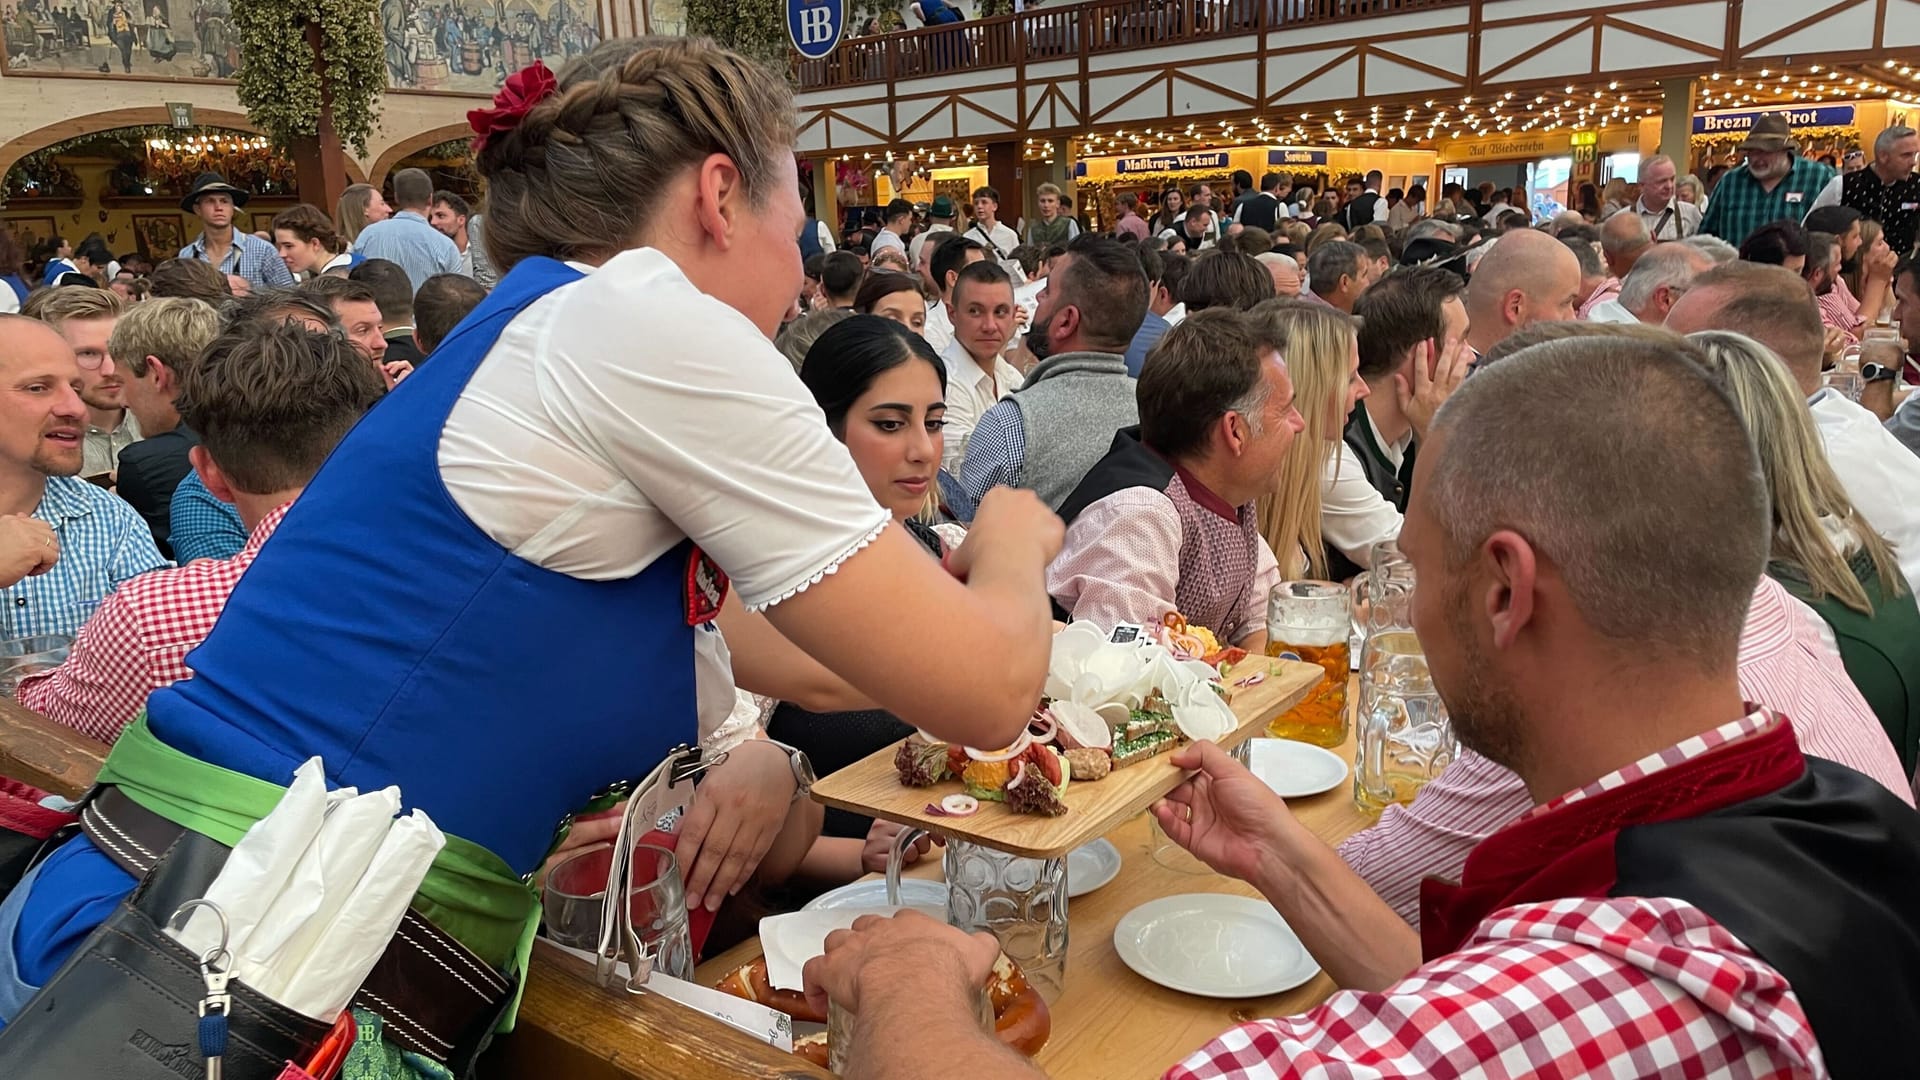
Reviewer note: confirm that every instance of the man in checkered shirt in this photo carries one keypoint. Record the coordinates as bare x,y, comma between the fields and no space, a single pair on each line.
1690,895
269,403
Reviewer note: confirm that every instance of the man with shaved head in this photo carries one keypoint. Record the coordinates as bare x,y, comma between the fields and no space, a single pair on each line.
1775,307
1687,892
1659,278
1623,239
64,543
1525,277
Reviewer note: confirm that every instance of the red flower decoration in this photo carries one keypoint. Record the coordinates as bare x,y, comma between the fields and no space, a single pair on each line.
522,91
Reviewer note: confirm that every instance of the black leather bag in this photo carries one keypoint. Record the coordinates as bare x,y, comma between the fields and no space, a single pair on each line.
126,1005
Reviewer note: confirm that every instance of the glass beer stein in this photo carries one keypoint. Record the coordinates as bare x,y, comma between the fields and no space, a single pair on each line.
1405,738
1310,621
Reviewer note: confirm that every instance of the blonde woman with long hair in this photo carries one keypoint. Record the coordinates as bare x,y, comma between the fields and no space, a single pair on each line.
1322,352
1824,552
360,206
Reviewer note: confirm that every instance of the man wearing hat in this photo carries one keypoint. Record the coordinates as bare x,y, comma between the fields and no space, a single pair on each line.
1776,183
942,215
230,251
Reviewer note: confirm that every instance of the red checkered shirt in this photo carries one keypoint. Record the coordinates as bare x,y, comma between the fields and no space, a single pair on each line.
1620,987
138,642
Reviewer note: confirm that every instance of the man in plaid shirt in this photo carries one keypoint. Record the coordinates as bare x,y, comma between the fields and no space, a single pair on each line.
1690,895
269,403
1775,184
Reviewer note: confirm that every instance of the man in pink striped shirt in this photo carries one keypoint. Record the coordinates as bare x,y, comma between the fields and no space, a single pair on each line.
1784,665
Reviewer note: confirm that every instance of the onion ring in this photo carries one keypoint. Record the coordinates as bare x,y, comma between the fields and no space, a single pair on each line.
1015,750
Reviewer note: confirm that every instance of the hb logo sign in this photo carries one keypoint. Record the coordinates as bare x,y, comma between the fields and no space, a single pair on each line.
816,25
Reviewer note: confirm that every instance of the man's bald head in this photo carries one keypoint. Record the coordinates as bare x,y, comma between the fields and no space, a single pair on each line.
1525,277
1771,304
1623,240
1556,443
29,340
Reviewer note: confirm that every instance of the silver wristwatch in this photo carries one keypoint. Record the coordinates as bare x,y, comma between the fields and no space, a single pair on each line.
803,777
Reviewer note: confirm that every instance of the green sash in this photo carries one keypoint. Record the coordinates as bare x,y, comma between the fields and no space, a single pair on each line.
469,892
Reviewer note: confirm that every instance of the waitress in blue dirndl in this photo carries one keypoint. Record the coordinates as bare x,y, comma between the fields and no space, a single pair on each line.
506,588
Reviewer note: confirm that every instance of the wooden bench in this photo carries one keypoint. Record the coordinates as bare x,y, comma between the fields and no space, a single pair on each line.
569,1025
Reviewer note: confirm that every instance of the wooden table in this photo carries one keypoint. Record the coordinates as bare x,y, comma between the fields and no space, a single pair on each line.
1111,1024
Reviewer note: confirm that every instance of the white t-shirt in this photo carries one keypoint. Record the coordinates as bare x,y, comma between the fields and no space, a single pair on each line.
886,238
1881,476
1003,238
1354,516
627,411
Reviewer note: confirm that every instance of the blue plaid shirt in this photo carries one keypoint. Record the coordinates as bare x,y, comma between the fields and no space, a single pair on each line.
1740,205
103,543
996,457
201,526
250,257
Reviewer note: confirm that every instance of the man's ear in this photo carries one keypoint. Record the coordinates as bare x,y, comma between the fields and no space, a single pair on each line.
209,472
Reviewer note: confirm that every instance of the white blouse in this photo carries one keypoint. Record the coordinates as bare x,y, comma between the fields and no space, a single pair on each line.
626,411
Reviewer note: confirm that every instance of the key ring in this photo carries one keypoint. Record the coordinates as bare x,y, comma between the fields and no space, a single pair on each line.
218,952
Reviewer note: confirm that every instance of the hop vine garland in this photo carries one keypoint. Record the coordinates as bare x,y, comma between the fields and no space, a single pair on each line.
278,84
753,28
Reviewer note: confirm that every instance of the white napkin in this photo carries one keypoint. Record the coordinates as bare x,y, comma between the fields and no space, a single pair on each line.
770,1026
260,866
352,942
792,939
320,886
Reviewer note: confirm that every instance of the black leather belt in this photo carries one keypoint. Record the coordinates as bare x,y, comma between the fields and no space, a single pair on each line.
436,996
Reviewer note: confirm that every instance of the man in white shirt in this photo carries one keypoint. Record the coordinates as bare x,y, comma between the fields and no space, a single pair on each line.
1408,319
987,230
977,377
1659,278
899,223
1667,217
1774,306
941,214
944,263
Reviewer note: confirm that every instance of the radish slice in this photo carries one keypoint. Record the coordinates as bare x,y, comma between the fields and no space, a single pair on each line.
1019,745
1081,727
959,805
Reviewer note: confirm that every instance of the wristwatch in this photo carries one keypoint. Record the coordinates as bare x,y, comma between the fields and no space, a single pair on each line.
803,777
1872,372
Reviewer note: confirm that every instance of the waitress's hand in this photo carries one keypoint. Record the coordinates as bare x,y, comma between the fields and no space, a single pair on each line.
736,813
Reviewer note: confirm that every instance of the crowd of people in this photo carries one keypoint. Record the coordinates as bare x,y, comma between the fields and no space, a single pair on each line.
1660,485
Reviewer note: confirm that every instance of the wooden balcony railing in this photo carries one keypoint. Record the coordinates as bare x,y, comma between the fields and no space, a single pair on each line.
1054,33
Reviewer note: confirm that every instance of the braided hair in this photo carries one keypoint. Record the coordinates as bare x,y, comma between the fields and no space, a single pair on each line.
579,176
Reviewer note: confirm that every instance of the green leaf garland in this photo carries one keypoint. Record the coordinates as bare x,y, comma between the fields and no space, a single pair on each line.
278,84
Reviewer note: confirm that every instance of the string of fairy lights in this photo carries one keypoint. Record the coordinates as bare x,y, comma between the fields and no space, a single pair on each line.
1422,122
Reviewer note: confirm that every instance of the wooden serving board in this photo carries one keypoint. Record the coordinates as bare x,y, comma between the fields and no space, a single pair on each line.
871,787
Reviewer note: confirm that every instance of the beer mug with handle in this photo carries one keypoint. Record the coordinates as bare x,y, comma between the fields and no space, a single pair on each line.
1404,737
1382,594
1310,621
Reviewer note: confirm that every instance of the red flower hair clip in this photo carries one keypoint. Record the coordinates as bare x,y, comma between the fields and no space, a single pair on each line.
522,91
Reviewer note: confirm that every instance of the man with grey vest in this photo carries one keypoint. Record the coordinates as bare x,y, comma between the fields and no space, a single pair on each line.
1051,431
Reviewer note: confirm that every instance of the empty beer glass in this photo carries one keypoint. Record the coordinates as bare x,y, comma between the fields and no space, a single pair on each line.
1310,620
1404,739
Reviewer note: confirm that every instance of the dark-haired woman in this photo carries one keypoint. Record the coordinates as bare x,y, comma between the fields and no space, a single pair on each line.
13,282
1172,205
575,536
892,296
305,238
883,390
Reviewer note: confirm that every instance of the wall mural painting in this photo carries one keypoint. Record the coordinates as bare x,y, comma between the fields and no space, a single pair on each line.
147,38
471,46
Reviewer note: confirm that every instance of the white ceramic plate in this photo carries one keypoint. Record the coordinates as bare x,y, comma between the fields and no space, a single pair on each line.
1213,945
1090,866
914,892
1295,770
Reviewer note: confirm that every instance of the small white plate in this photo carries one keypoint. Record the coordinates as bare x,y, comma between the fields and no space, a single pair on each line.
914,892
1295,770
1213,945
1090,866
